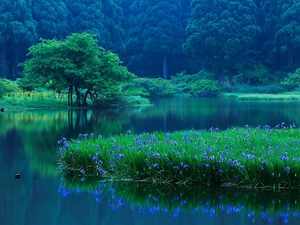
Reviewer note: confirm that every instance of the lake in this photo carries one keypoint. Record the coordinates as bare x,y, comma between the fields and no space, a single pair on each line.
28,146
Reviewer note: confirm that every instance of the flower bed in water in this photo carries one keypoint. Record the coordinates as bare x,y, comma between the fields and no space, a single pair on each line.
248,157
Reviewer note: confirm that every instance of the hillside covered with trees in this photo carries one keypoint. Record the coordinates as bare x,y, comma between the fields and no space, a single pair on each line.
254,42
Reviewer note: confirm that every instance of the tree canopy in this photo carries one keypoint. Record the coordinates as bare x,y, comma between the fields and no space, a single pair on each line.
221,32
75,64
162,38
155,35
51,17
17,30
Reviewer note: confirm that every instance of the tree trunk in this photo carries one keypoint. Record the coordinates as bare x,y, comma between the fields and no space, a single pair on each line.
78,97
16,64
3,59
277,57
85,97
290,57
70,96
10,64
221,76
165,67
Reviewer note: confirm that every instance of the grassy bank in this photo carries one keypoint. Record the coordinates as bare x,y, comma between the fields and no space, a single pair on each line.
257,96
51,99
33,99
249,157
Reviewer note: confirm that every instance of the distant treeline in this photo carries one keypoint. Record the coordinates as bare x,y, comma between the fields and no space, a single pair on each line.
160,38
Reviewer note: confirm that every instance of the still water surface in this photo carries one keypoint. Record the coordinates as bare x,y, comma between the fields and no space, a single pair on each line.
28,145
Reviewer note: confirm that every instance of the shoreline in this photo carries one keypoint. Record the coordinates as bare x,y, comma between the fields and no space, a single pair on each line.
286,96
38,104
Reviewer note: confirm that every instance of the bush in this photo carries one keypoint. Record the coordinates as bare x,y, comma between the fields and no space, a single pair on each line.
150,87
256,74
135,100
7,86
199,84
133,89
263,89
292,80
204,88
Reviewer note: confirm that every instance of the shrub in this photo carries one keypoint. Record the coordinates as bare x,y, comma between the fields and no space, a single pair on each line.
199,84
256,74
292,80
7,86
152,87
204,88
135,100
133,89
263,89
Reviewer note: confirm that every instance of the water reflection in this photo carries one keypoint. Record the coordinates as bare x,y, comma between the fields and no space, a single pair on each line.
269,206
167,115
28,145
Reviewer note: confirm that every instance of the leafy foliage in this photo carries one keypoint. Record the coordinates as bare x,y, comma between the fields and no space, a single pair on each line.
261,89
227,37
76,64
7,86
292,81
155,35
198,84
288,29
17,31
256,74
220,32
152,87
51,17
101,18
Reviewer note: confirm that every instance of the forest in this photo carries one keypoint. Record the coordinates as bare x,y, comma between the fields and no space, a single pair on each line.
253,42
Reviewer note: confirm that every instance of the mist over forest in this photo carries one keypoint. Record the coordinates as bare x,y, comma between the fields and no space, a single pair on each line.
247,41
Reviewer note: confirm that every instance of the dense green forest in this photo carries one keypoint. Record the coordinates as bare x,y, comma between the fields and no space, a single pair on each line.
255,42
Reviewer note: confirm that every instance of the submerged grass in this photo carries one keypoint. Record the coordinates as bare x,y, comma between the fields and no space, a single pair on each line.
248,157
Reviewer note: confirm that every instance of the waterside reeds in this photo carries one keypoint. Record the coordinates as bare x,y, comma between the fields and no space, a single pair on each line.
288,96
246,157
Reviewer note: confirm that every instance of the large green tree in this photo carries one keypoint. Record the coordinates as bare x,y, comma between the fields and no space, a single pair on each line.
288,30
51,18
86,16
155,35
17,32
76,64
101,18
114,32
221,32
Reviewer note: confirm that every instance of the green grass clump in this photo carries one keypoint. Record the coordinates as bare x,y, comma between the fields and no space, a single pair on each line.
249,157
34,99
256,96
